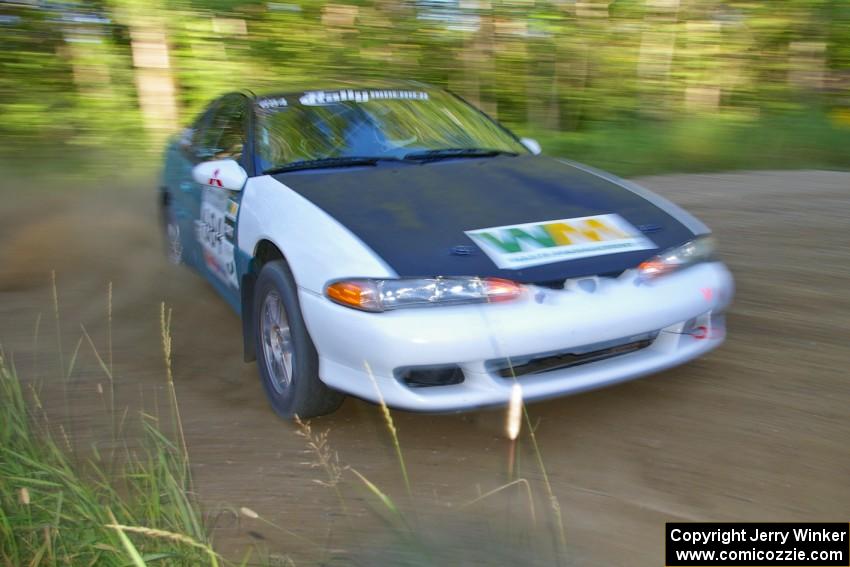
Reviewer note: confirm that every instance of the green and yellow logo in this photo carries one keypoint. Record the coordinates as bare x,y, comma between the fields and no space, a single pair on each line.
531,244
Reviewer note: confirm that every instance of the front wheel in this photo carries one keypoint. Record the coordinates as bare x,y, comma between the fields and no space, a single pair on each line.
286,357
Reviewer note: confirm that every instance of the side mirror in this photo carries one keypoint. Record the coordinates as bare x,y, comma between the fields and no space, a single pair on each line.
223,173
532,145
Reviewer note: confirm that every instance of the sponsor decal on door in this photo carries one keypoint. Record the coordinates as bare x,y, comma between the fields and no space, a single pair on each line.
215,232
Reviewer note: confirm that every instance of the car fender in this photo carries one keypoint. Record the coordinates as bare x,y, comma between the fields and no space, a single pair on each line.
316,247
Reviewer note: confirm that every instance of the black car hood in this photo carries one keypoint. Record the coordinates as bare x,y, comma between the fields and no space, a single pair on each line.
414,216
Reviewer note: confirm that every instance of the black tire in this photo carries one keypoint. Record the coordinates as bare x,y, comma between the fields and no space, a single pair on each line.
305,395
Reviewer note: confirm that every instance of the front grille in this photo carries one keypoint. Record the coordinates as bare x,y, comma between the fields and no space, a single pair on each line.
547,362
561,282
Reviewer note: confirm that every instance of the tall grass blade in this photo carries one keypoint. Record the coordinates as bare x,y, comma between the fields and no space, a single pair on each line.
56,319
388,419
163,534
554,503
106,370
35,337
519,481
131,550
385,500
72,363
109,326
165,331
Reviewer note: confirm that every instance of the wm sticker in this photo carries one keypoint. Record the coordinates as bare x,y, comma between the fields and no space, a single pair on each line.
533,244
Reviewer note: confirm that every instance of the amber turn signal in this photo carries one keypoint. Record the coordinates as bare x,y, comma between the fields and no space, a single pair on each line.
359,294
369,294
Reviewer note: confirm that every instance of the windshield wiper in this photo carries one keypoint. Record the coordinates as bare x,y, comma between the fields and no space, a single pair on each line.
322,163
418,156
451,153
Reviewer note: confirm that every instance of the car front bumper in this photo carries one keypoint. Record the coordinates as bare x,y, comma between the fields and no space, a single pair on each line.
361,353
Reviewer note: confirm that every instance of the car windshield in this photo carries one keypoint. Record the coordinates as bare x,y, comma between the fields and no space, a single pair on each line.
373,123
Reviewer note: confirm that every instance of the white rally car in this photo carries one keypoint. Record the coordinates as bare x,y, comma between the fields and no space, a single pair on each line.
394,242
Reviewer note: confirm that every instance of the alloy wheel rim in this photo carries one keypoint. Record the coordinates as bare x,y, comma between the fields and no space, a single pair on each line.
278,347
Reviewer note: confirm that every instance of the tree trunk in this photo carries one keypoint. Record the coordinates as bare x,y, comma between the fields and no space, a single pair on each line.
153,76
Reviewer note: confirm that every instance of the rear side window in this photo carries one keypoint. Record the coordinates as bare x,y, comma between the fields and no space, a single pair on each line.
191,137
224,135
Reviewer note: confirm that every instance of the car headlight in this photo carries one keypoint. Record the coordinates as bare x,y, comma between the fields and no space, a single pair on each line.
700,249
376,295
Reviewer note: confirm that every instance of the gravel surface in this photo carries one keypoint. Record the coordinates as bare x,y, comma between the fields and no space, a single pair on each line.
759,430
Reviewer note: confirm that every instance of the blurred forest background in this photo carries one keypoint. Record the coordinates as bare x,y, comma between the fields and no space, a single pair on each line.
632,85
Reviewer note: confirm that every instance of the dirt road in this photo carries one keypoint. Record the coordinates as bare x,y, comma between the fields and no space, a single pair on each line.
759,430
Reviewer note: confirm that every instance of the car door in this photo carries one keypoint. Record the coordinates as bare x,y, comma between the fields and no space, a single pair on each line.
184,192
224,137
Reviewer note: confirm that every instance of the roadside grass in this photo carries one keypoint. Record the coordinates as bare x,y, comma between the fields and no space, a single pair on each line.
55,510
706,143
132,503
57,170
65,505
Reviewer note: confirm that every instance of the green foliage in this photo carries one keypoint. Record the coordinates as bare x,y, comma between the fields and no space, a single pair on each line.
120,74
